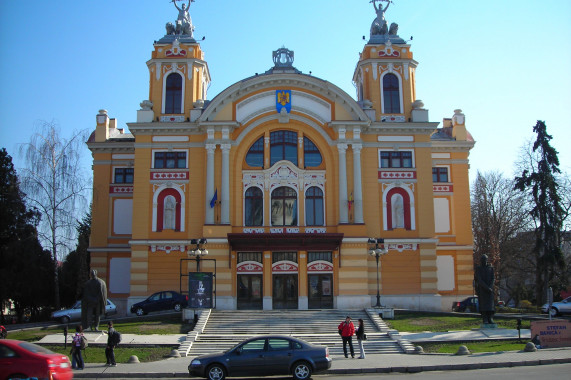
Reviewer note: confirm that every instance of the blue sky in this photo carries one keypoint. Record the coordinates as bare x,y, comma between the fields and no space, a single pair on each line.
505,63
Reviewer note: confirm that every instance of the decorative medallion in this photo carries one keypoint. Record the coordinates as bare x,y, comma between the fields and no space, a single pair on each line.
284,267
248,267
320,266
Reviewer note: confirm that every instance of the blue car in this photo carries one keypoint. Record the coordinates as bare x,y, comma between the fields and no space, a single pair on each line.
268,355
166,300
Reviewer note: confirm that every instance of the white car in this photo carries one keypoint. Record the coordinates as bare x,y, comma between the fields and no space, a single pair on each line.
74,314
558,308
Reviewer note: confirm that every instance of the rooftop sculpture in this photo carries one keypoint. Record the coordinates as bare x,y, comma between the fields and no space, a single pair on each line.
183,24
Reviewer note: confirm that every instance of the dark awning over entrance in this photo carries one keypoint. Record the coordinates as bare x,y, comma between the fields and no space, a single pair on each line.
279,242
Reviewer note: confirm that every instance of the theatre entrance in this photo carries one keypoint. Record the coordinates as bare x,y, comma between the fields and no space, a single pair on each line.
285,291
249,292
320,295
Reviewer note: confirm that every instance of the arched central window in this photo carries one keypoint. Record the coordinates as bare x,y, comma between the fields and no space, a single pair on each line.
173,94
283,146
314,207
254,207
311,155
255,156
284,207
391,95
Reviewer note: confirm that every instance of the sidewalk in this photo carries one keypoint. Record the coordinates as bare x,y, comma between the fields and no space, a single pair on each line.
377,363
374,363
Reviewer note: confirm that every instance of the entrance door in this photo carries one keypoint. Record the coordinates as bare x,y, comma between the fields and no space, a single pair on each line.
285,291
250,291
320,294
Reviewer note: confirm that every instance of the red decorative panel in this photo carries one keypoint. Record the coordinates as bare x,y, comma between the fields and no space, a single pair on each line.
249,267
284,267
113,189
166,176
319,266
383,174
443,188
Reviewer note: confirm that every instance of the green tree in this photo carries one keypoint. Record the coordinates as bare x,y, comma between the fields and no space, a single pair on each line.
55,184
24,280
75,268
540,181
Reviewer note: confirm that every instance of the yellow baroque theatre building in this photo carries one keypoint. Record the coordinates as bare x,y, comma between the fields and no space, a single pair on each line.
282,179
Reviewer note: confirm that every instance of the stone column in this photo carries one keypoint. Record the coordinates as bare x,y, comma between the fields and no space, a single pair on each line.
343,212
357,191
210,148
225,191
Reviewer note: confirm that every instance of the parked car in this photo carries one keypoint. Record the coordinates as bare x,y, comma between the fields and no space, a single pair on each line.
558,308
74,314
24,360
267,355
467,305
165,300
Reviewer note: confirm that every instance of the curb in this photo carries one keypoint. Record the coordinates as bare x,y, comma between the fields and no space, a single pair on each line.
352,371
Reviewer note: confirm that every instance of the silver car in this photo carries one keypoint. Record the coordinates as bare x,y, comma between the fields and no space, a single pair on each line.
74,314
558,308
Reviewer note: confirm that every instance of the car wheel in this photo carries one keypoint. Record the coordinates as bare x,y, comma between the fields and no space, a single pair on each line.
216,372
553,312
139,312
177,307
17,376
301,371
64,319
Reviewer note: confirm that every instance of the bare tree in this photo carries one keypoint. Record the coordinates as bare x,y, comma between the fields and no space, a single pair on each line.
55,185
498,215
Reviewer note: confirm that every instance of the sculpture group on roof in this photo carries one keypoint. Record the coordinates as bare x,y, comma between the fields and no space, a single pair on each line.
380,25
183,24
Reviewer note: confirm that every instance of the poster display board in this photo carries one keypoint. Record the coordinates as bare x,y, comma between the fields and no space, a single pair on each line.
200,290
555,333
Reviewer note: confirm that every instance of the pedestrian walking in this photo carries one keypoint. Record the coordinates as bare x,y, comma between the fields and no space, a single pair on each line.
347,330
113,339
361,336
78,344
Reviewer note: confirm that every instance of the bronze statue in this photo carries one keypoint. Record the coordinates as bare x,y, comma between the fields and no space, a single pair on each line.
485,288
93,302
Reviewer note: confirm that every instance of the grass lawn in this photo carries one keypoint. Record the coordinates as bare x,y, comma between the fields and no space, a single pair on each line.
161,324
474,347
122,354
419,322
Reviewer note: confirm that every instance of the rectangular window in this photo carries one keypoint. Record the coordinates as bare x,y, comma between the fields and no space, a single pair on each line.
284,256
315,256
123,175
170,160
396,159
439,174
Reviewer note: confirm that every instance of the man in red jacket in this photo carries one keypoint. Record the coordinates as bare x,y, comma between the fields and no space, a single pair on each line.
347,330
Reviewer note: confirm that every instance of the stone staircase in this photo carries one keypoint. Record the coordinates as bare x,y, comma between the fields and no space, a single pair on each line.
219,330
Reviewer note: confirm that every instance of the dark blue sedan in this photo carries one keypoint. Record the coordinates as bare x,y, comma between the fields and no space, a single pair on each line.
267,355
166,300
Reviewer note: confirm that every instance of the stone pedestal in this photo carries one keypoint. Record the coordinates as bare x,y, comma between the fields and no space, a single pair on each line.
385,312
488,326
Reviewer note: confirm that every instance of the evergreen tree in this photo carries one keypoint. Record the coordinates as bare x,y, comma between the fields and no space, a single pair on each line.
541,184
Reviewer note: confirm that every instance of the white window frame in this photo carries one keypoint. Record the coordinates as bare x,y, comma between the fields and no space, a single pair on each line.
397,150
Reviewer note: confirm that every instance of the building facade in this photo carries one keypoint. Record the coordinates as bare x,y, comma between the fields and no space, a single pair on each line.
285,177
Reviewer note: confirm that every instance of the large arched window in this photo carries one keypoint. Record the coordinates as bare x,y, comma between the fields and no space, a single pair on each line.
283,146
284,207
314,207
255,156
311,155
253,207
173,94
391,95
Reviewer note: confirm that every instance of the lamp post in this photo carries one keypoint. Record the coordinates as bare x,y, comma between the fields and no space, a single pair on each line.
376,249
199,251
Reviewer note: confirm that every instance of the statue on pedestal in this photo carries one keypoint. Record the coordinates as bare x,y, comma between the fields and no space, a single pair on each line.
93,302
485,288
183,23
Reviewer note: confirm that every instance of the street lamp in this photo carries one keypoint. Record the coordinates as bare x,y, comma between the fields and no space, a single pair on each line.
199,251
377,249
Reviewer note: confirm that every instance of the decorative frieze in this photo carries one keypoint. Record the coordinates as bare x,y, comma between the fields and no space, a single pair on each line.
443,188
285,267
320,266
254,230
173,119
113,189
393,119
168,248
314,230
168,176
385,174
249,267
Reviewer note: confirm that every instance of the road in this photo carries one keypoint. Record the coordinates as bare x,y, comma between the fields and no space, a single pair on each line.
554,371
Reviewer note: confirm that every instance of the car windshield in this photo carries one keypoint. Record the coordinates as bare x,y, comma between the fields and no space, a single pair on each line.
35,348
77,305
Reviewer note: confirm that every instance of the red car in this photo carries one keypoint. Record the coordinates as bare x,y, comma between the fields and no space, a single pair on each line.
23,360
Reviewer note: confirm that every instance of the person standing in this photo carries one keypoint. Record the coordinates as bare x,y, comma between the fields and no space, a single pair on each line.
347,330
361,337
77,358
111,344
